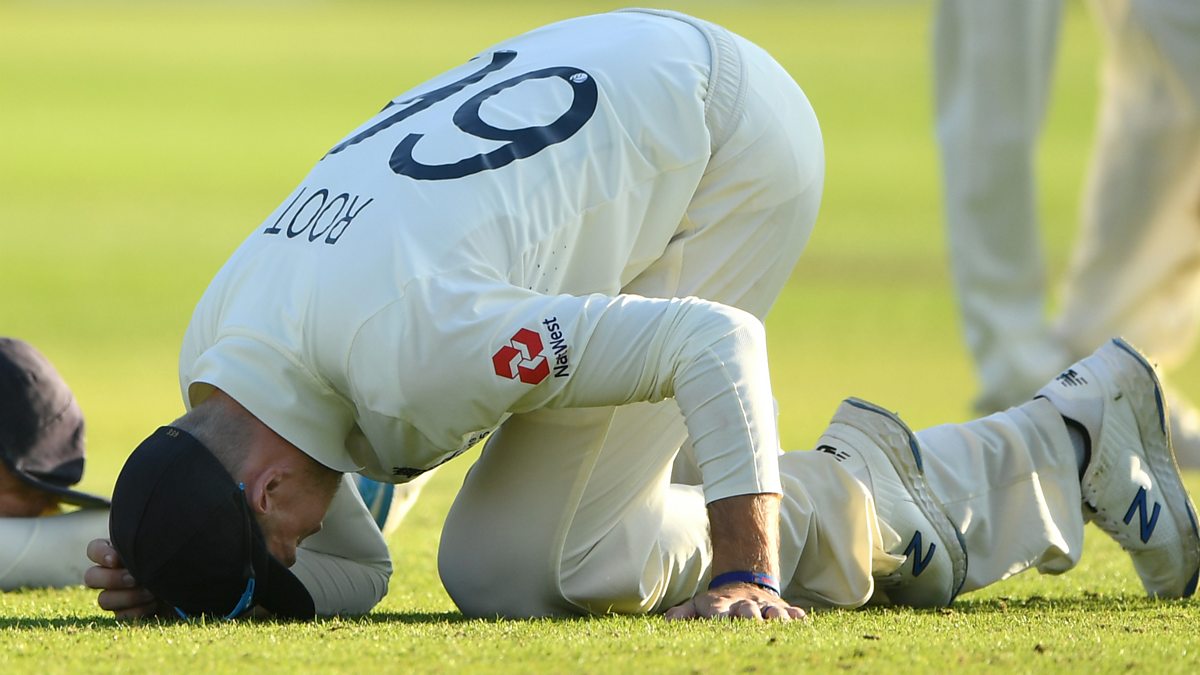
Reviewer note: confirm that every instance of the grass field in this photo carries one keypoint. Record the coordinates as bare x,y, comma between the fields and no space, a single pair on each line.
142,141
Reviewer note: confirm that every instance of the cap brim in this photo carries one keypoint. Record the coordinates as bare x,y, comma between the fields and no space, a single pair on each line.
66,494
281,592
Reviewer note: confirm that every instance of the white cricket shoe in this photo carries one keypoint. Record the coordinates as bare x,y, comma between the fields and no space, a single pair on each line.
934,563
1131,486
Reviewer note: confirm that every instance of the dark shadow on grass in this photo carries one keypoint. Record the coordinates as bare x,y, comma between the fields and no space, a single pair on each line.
102,622
40,623
413,618
457,618
1040,603
981,606
34,623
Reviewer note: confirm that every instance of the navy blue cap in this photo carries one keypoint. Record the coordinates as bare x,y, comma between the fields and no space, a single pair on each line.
185,532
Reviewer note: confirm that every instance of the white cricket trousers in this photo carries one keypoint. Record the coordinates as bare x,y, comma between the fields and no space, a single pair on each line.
1136,264
575,512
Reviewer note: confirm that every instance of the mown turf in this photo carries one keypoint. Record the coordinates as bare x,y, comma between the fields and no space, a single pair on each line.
139,142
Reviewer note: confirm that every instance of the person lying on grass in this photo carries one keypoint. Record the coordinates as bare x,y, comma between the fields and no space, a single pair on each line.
41,457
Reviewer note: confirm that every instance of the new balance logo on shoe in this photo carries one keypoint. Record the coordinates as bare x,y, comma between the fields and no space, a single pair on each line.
1138,505
914,552
839,455
1070,378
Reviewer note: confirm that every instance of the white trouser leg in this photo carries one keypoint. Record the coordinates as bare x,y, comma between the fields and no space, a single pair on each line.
592,525
1010,483
572,511
993,64
831,540
1136,269
589,523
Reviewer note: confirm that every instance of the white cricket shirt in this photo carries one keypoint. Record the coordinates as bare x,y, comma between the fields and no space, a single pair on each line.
460,258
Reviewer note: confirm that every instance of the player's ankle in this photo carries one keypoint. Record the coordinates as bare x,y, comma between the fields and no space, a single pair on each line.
1081,443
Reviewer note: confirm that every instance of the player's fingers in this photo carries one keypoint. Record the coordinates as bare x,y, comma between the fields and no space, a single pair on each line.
746,609
775,613
140,612
104,578
686,610
796,613
124,600
101,552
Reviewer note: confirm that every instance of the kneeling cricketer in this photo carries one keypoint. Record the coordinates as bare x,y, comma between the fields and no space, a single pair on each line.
566,246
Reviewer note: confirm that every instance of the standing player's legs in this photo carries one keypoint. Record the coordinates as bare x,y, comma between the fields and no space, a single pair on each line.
572,511
1136,268
993,64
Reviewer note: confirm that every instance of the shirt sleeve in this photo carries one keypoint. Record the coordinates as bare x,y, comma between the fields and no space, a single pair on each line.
711,358
510,350
48,552
345,566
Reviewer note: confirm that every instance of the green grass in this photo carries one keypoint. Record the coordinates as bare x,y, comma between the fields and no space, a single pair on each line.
1105,633
139,142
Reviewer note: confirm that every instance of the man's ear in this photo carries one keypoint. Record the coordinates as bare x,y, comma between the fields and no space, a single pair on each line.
262,489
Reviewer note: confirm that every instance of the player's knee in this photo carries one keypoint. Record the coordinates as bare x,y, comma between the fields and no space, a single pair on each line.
496,572
608,577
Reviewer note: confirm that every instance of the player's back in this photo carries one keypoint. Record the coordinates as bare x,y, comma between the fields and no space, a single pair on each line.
560,161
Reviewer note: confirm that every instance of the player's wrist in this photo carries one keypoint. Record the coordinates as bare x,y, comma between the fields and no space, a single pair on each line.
763,580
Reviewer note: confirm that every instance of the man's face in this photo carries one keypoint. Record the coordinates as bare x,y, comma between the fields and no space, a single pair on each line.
296,514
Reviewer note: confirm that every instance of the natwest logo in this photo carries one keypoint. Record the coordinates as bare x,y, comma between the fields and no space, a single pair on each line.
522,359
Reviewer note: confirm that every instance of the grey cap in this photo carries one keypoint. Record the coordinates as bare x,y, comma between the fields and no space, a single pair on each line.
41,425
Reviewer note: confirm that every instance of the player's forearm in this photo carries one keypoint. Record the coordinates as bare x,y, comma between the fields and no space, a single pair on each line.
346,566
723,388
48,551
340,586
745,534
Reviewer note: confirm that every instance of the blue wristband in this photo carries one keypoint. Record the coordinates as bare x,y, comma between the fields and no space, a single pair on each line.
759,579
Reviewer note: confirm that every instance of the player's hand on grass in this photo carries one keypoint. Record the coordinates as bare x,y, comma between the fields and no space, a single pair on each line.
736,601
119,591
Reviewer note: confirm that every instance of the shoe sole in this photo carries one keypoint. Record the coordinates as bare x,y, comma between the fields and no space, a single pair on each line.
1163,465
912,474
